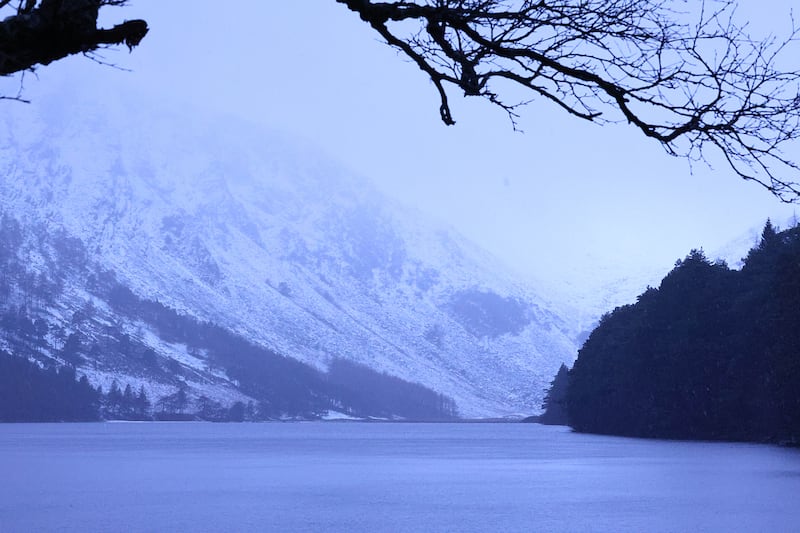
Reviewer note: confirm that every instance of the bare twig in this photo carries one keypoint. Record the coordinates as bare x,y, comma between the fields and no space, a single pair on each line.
20,90
691,83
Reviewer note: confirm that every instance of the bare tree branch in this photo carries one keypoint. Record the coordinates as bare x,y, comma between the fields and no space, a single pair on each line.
692,81
49,30
18,97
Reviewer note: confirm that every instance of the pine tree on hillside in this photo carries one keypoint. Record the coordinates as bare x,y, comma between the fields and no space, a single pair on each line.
142,404
554,406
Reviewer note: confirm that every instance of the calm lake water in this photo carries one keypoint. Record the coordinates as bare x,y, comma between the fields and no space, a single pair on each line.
384,477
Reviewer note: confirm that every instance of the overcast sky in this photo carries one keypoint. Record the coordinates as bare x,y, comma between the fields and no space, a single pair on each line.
599,197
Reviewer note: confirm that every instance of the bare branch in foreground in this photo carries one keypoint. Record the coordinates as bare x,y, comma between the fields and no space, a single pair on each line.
46,31
695,82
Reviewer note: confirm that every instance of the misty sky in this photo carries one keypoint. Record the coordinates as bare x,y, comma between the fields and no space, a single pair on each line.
599,198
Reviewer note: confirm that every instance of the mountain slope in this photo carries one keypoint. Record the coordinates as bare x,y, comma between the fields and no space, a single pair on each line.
61,311
230,224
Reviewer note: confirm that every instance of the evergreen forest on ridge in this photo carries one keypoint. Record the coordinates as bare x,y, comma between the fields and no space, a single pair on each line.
712,353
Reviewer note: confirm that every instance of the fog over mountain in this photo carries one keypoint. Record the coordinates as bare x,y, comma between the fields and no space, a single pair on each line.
262,235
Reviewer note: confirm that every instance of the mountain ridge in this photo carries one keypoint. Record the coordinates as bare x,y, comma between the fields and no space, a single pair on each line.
228,224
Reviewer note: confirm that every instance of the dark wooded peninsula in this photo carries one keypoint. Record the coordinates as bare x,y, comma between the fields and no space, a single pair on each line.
712,353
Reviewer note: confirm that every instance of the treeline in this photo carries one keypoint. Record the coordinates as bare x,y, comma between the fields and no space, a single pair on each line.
29,393
387,396
283,386
98,338
712,353
125,404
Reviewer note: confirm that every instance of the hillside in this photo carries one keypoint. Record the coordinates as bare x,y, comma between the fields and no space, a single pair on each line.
262,236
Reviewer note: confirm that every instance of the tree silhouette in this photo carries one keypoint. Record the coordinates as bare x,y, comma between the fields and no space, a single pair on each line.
142,403
712,353
694,83
43,31
693,80
555,401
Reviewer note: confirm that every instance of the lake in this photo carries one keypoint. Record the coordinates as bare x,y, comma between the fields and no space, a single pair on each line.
353,477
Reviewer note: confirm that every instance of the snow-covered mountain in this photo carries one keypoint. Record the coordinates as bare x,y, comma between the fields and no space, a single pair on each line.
231,224
734,251
603,290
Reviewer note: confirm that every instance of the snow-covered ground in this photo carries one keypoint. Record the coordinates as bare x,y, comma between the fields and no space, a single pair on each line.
263,235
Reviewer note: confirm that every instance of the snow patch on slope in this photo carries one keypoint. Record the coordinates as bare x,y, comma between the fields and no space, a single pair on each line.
236,225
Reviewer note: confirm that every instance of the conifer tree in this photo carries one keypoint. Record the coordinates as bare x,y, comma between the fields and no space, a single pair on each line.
142,404
555,408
